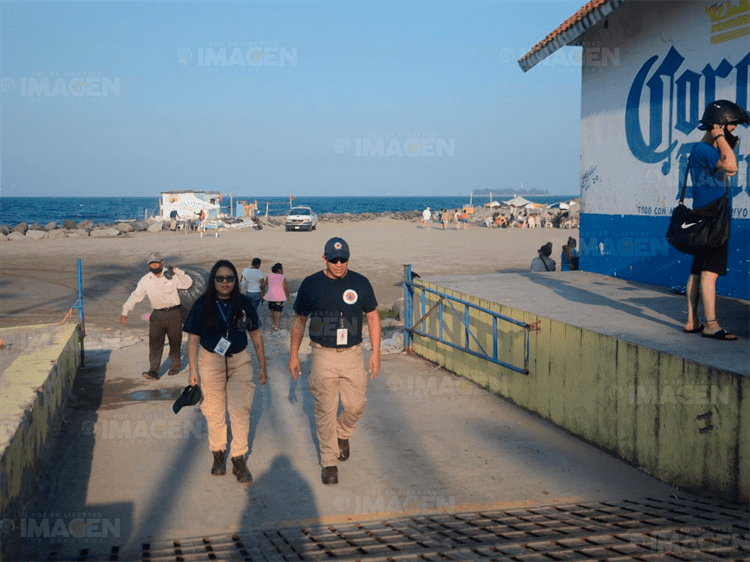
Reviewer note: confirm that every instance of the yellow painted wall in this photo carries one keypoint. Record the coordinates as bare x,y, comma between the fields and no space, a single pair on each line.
677,419
32,396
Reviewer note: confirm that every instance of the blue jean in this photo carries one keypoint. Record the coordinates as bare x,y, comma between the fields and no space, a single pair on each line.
255,297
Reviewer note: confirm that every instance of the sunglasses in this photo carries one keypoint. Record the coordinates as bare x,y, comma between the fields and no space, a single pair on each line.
222,278
338,260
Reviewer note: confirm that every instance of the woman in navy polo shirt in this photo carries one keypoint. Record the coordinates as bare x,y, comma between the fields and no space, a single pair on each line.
220,322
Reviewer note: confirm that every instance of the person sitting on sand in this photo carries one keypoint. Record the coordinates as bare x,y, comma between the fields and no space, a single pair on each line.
543,262
569,256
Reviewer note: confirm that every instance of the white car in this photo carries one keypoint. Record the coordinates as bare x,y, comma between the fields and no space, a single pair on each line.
301,218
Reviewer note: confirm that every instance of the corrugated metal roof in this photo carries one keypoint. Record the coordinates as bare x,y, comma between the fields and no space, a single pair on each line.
569,31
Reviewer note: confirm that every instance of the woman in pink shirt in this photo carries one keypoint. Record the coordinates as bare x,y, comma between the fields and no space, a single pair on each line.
277,293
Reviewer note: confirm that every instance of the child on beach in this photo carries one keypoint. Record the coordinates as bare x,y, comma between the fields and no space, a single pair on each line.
277,293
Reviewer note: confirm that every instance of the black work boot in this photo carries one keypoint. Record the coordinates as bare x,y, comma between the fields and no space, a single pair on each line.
330,475
343,449
239,469
219,467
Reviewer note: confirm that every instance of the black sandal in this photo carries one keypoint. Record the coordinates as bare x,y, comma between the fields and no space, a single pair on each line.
721,335
697,330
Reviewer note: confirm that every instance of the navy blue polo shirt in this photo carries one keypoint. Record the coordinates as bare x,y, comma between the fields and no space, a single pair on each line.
210,335
330,304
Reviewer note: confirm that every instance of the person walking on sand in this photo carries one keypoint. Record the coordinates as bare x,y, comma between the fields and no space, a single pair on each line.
710,162
160,286
426,217
251,282
335,299
276,295
465,219
445,218
218,326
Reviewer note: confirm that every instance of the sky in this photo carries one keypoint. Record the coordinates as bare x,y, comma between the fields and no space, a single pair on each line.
413,98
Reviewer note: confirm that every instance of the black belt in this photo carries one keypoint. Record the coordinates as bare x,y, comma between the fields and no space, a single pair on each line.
337,349
175,307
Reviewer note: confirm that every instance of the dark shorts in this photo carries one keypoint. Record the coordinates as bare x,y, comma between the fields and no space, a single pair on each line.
714,261
277,306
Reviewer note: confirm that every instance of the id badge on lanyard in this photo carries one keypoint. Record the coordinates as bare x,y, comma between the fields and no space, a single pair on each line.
223,346
342,334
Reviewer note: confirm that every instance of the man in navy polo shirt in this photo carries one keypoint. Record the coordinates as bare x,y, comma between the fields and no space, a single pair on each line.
335,300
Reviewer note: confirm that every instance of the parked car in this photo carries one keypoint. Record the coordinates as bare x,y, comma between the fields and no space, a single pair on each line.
301,218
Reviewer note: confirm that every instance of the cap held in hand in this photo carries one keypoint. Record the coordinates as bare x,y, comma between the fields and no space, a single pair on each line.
189,397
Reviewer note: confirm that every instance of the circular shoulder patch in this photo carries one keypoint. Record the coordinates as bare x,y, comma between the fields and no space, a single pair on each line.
350,296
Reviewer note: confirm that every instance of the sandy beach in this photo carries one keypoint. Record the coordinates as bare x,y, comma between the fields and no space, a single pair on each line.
38,281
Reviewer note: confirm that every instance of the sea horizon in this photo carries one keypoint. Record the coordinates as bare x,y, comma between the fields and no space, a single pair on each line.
55,208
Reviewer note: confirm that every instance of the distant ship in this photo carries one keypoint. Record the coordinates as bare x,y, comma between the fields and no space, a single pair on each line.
512,192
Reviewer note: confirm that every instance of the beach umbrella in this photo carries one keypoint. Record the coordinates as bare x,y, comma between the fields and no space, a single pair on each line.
518,201
559,205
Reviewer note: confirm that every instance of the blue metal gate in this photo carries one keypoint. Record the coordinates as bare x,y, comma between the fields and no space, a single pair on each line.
414,328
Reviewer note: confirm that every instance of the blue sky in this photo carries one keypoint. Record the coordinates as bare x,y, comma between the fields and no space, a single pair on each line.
303,98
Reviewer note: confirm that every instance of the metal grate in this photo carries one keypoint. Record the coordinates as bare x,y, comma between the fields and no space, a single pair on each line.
646,530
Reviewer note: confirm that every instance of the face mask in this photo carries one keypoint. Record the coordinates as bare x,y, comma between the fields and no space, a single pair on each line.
156,271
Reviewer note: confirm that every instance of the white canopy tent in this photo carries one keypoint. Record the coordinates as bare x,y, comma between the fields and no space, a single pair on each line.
518,201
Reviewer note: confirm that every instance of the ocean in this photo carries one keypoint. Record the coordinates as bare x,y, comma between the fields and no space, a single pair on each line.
44,210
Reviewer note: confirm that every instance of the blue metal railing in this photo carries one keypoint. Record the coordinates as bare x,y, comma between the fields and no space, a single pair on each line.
79,305
412,328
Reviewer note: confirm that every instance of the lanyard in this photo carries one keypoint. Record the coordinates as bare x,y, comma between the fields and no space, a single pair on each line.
225,316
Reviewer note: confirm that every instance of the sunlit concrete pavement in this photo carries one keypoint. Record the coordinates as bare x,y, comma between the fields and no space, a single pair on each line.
431,453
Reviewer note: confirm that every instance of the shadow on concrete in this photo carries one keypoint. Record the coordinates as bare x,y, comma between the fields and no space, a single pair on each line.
575,294
734,315
60,518
262,401
390,443
298,388
286,490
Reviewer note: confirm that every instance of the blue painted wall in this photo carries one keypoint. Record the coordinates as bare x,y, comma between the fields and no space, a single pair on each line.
633,247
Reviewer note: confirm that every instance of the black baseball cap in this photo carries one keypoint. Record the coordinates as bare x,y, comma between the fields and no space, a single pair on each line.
189,397
336,248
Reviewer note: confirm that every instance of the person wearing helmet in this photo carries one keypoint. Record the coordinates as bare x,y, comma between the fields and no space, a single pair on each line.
711,161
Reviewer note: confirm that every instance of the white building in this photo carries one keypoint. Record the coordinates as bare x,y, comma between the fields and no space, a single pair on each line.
649,68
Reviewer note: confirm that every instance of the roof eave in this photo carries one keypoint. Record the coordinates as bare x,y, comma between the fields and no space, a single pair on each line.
569,36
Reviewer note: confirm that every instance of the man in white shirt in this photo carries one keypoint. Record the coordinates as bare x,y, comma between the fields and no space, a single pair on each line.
251,282
160,286
427,217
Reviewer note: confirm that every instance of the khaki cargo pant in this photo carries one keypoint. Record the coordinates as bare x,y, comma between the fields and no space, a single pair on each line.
227,384
334,372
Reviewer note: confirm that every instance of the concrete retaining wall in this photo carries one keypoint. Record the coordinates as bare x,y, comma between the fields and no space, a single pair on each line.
33,392
679,420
